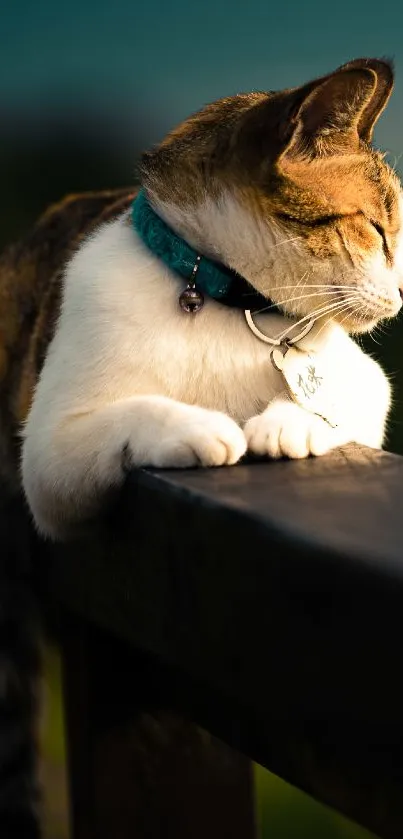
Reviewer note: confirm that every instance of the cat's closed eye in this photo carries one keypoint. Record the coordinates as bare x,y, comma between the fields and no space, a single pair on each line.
381,232
379,229
323,221
319,221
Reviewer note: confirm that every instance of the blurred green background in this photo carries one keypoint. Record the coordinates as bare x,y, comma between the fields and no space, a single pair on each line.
85,86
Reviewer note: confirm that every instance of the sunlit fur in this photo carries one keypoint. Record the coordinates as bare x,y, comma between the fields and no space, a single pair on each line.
305,269
277,212
291,196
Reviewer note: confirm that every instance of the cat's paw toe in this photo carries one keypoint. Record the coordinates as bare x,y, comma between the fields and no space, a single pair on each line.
286,430
207,438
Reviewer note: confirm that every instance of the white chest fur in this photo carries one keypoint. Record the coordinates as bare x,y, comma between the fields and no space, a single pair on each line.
122,331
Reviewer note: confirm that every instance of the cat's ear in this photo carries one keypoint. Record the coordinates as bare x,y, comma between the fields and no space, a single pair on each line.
329,115
326,118
383,70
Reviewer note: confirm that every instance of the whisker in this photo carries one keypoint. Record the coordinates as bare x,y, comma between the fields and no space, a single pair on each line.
365,310
301,279
250,293
345,317
347,307
321,312
286,242
306,285
310,285
373,332
331,305
292,300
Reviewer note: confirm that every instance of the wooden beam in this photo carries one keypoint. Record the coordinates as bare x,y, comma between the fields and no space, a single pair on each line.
274,593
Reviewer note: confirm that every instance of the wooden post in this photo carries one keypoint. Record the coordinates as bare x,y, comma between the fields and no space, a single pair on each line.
136,769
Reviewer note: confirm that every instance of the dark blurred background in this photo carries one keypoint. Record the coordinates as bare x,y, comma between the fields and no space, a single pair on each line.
85,86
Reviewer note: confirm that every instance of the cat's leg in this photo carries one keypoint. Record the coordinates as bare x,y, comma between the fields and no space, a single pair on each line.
70,461
285,429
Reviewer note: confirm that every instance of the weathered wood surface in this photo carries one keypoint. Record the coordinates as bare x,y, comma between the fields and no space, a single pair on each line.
269,598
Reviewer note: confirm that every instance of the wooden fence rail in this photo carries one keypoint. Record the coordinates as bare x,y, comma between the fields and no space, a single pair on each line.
263,603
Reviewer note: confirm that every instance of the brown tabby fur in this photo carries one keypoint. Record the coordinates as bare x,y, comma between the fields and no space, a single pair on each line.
30,290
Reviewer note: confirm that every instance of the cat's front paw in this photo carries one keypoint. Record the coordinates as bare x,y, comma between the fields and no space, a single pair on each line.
285,429
200,438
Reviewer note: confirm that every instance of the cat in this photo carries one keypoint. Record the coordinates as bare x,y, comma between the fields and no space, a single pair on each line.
286,191
103,368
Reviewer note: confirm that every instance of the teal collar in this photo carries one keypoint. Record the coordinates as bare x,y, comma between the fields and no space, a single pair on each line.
212,279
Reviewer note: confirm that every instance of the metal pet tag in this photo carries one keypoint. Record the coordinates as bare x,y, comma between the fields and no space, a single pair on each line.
307,381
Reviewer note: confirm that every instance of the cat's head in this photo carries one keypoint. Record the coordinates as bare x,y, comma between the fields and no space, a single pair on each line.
286,189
